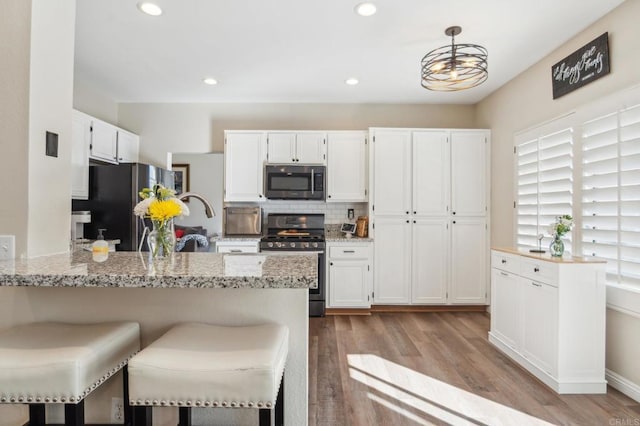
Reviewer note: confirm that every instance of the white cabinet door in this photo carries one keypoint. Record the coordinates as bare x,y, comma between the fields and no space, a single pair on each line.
128,147
311,148
430,260
281,148
392,271
346,166
469,173
80,141
349,284
469,261
244,157
104,141
506,307
392,165
431,173
540,323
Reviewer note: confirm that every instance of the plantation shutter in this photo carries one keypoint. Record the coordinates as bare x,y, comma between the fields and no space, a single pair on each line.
545,185
611,193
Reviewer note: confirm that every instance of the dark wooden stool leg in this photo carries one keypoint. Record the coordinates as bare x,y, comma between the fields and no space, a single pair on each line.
184,416
280,405
265,417
142,416
126,406
74,414
36,415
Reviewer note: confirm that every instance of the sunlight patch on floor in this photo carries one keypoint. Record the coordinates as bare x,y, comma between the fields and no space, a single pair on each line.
433,397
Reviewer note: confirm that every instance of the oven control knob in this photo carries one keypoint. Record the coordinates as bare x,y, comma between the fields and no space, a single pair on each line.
315,245
305,245
278,244
292,245
269,244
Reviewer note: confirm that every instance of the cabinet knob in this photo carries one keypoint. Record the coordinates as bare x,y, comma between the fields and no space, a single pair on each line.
330,263
536,269
454,222
408,221
414,221
328,196
414,212
504,261
293,160
260,195
407,212
454,212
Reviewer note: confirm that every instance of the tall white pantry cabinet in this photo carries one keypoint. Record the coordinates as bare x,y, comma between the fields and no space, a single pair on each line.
429,212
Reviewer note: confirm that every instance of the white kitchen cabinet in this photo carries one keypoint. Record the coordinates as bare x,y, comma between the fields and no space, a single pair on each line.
80,141
346,167
549,316
128,147
104,142
469,172
419,175
429,260
297,148
392,260
469,261
350,275
244,158
237,246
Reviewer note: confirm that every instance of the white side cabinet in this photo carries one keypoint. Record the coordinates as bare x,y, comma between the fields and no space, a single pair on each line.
549,315
244,158
297,147
80,142
346,167
349,274
128,147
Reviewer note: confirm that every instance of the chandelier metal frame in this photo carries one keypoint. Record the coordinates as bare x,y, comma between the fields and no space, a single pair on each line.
454,67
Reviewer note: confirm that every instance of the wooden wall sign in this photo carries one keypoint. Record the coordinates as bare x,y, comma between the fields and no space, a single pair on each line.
583,66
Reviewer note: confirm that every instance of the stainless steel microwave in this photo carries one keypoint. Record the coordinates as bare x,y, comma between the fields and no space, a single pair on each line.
283,182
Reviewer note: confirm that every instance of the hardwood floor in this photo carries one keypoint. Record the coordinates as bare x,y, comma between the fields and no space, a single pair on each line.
435,368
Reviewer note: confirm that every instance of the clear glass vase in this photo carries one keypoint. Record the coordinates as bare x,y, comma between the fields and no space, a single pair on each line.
556,248
162,239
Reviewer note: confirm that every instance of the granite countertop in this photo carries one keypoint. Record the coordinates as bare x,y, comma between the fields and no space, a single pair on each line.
547,257
183,270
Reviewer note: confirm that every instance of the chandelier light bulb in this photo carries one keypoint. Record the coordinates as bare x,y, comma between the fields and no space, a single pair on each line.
365,9
150,8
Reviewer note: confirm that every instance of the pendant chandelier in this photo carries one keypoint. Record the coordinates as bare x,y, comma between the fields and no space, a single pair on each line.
455,67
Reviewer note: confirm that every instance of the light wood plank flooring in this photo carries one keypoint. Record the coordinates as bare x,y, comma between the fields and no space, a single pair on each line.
435,368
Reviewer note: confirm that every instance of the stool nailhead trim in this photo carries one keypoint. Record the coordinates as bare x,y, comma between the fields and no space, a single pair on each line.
63,399
198,403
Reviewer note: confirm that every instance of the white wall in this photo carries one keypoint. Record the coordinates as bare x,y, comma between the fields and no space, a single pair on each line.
193,128
93,102
526,101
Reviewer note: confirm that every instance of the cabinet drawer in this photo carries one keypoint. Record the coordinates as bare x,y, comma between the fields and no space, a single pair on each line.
546,272
348,252
237,247
505,262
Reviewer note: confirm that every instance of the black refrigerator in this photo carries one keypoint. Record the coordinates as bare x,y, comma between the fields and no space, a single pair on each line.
113,193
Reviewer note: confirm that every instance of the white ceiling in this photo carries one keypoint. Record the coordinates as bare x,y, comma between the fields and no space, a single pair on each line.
303,51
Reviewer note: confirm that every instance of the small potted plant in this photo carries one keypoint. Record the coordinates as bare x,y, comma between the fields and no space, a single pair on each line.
562,225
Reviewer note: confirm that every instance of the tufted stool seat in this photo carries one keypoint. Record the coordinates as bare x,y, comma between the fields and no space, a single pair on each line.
203,365
49,362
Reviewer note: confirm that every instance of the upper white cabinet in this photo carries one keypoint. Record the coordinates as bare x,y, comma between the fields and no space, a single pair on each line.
80,141
346,166
104,141
433,181
244,158
297,147
128,147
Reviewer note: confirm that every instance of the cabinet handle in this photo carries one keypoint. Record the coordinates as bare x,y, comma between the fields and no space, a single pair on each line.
504,274
348,251
504,261
330,263
235,251
536,284
536,269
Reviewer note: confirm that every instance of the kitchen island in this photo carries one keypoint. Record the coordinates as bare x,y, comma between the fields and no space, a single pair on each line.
225,289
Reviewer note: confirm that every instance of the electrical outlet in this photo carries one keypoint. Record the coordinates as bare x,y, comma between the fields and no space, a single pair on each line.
7,247
117,410
350,214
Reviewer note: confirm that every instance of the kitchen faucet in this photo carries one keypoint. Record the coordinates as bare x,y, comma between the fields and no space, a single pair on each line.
208,209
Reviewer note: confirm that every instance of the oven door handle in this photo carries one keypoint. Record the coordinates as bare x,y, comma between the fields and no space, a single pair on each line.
313,186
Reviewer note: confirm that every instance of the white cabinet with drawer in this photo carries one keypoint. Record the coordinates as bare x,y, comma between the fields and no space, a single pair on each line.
237,246
548,315
349,275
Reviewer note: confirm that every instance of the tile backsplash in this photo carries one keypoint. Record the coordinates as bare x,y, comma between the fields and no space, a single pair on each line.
334,212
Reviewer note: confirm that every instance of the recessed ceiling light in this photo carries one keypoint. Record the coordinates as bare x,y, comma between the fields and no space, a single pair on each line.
352,81
150,8
210,81
365,9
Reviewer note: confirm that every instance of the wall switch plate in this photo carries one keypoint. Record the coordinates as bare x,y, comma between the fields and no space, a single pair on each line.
51,146
117,410
350,214
7,247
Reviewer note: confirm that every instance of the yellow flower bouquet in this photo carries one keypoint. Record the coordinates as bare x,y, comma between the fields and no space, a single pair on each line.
161,206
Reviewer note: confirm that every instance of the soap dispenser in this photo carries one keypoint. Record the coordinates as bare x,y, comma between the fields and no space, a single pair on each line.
100,248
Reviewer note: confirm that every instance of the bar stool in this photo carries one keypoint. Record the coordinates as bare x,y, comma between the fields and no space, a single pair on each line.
48,362
203,365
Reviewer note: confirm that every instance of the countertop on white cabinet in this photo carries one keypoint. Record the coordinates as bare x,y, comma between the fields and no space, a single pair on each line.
547,257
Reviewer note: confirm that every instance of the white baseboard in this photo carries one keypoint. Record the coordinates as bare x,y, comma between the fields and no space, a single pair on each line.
632,390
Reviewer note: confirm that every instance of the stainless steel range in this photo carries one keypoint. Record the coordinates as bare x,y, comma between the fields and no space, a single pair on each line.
287,233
